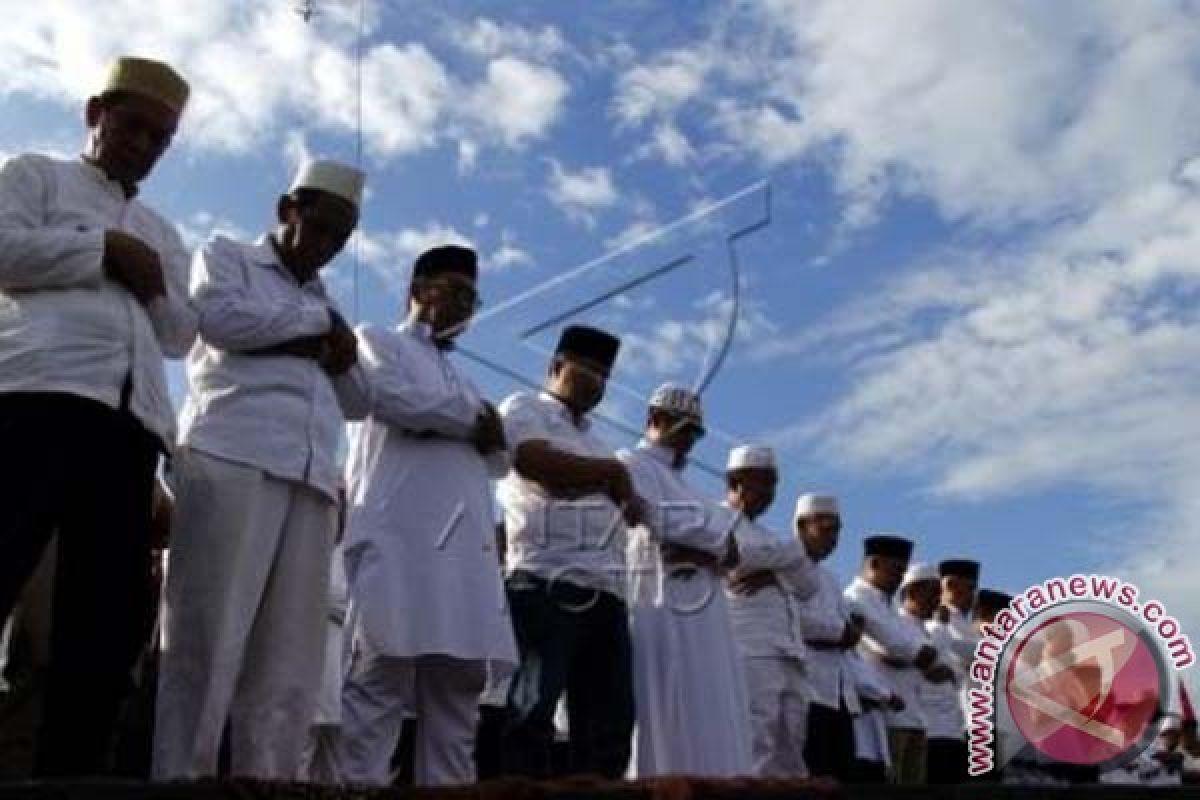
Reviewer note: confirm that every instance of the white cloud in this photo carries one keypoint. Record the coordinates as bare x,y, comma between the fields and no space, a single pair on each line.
256,70
517,100
509,254
662,86
1067,355
198,228
669,144
391,253
582,193
295,149
1069,360
672,346
488,38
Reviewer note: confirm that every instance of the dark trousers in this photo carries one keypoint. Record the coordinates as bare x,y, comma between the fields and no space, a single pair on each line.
574,640
829,747
73,466
868,772
946,762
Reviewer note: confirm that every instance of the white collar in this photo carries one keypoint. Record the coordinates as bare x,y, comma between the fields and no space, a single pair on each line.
101,177
584,424
658,452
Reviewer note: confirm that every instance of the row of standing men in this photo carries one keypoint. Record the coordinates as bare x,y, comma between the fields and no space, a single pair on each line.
684,636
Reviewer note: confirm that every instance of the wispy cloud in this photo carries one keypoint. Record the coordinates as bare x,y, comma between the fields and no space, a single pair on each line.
582,193
255,70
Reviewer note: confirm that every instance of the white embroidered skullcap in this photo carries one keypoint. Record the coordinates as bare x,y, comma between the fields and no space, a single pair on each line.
750,456
809,504
331,176
920,572
678,399
149,78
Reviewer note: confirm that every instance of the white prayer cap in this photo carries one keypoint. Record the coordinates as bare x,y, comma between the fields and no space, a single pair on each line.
1172,722
750,456
809,504
920,572
331,176
675,398
149,78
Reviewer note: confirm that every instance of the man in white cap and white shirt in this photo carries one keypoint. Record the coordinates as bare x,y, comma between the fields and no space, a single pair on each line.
93,296
930,697
893,645
774,574
831,632
940,701
692,708
256,489
420,545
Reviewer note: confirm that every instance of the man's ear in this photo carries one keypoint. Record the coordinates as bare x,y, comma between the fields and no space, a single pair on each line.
284,208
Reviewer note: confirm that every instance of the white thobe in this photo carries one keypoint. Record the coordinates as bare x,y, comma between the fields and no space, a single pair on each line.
959,639
888,633
580,540
689,686
870,726
64,325
942,702
823,618
254,521
766,626
421,562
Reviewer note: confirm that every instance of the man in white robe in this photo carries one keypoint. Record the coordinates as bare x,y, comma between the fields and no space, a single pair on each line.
773,576
256,490
831,632
93,296
429,611
692,708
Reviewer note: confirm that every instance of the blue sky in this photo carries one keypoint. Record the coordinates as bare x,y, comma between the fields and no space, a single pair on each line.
972,315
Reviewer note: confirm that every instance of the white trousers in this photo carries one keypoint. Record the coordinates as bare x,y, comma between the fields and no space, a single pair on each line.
779,698
243,620
440,691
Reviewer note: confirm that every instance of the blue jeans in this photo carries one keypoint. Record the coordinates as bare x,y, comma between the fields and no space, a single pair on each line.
572,640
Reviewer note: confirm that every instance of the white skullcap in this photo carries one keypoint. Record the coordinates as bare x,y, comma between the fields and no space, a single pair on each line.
920,572
675,398
149,78
331,176
1172,722
808,504
750,456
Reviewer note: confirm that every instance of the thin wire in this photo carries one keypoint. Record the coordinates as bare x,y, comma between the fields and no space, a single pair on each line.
358,141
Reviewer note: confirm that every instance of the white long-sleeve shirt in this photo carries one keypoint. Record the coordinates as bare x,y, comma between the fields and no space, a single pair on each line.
64,325
579,541
942,702
887,635
281,414
767,622
421,538
823,618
